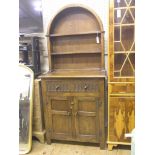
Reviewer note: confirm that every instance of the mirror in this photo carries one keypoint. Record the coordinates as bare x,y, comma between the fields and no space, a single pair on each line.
26,81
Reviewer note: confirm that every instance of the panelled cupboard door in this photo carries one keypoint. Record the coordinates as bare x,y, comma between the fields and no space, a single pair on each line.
87,119
121,118
60,117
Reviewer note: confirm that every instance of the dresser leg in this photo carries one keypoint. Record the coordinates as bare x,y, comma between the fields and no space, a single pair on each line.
110,147
41,139
40,136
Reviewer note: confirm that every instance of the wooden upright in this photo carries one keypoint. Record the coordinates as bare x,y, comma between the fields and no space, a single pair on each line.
121,81
73,89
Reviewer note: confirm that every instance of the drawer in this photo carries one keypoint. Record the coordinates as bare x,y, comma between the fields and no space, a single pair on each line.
72,85
57,86
121,88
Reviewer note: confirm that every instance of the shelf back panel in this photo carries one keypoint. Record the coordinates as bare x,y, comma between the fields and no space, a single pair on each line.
75,20
75,44
78,61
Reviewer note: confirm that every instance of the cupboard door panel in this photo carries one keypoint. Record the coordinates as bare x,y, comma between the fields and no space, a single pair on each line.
87,121
61,124
60,117
121,118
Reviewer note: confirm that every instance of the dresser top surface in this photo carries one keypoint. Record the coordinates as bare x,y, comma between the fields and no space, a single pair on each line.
75,74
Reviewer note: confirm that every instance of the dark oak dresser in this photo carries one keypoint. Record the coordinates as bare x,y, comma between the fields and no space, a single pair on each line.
73,89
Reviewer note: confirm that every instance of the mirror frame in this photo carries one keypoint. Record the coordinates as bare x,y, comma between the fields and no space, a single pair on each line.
27,147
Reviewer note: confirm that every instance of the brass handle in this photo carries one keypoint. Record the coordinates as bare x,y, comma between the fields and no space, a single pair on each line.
71,108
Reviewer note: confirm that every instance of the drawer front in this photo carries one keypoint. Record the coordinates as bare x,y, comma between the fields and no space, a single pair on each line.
121,88
72,86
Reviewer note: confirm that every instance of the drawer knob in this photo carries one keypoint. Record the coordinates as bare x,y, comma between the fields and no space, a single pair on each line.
57,87
85,87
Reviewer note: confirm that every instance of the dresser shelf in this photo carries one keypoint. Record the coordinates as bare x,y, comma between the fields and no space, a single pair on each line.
75,34
81,52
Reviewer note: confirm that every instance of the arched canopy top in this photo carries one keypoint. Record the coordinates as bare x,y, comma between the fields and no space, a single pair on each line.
75,18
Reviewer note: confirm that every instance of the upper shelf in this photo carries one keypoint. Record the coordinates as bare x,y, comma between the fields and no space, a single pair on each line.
76,52
75,34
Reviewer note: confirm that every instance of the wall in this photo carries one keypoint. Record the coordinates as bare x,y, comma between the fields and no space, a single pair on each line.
51,7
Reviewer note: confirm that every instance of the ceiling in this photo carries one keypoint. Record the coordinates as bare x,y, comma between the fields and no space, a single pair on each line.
30,19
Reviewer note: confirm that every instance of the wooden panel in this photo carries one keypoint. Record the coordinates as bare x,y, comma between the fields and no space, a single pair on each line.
73,85
121,118
122,88
74,20
71,43
38,123
37,126
60,117
59,105
78,61
61,124
87,123
87,105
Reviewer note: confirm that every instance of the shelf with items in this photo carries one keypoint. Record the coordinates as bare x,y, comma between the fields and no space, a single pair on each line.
29,52
76,51
78,44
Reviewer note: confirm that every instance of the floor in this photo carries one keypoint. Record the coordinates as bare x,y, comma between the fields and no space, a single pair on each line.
63,148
